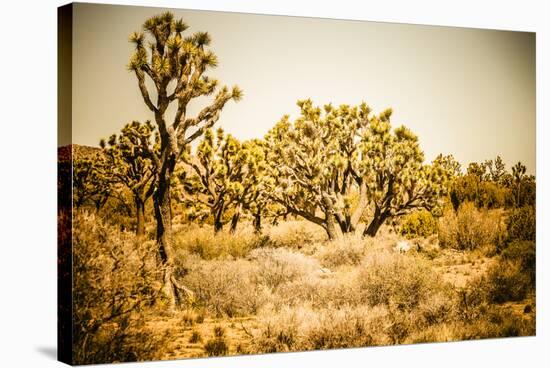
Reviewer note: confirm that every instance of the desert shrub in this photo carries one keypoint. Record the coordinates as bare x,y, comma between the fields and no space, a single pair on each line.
523,252
241,287
208,245
493,324
318,291
224,287
199,318
437,308
303,328
419,224
447,229
492,195
396,279
471,228
496,322
484,194
276,266
348,250
115,277
216,347
506,281
522,224
219,331
195,337
294,235
471,301
188,318
306,328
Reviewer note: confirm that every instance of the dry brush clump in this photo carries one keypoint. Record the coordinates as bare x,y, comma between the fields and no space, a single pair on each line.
522,224
346,251
217,346
396,279
294,235
241,287
224,288
276,266
303,328
419,224
471,228
116,281
202,240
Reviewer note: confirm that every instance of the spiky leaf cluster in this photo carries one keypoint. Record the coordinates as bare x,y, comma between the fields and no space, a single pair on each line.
397,179
169,58
315,160
89,183
128,159
330,164
217,177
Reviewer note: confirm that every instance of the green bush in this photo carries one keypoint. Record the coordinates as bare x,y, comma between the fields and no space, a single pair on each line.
485,194
522,224
419,224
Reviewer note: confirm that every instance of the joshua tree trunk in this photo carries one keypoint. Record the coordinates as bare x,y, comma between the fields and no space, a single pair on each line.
164,237
235,219
377,221
257,222
518,194
333,231
140,217
218,217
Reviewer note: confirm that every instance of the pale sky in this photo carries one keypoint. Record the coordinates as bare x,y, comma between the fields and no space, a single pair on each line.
466,92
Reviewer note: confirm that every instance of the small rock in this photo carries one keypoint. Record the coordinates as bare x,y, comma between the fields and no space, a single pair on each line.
402,246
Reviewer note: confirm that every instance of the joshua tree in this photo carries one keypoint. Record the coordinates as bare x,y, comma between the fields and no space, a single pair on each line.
225,175
315,163
175,67
397,180
518,173
217,173
257,183
496,170
89,183
450,165
128,162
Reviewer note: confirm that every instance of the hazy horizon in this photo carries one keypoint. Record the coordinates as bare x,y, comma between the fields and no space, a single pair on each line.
466,92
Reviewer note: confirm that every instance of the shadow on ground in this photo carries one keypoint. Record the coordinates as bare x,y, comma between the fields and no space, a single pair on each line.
48,351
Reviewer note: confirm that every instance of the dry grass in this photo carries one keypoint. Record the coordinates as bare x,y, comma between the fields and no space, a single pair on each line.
290,289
